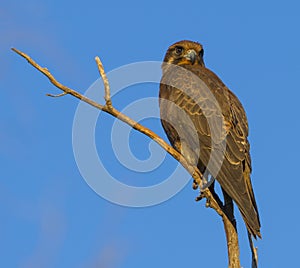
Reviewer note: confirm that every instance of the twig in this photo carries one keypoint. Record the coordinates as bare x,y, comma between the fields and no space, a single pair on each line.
231,235
105,82
67,90
253,252
57,95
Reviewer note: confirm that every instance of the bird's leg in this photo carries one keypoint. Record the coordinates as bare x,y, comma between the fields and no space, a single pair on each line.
215,195
228,208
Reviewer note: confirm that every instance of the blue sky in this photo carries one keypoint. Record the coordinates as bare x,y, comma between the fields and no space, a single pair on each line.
50,217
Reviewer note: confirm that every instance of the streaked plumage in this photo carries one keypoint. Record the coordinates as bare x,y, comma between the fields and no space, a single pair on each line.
214,112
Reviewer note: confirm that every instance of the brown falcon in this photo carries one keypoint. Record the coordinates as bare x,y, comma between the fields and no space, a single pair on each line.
206,122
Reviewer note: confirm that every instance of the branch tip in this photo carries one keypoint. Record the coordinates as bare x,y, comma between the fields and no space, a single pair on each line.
57,95
19,53
105,82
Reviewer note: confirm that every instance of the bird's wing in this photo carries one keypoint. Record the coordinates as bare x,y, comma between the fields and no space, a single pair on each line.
221,127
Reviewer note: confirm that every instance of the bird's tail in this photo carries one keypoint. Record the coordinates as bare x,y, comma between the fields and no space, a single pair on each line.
252,220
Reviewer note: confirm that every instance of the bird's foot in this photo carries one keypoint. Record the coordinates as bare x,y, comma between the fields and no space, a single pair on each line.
195,185
200,197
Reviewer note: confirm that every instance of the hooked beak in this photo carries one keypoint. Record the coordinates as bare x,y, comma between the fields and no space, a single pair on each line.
191,55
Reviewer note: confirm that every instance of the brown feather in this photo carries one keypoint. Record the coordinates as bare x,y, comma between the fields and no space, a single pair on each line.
217,123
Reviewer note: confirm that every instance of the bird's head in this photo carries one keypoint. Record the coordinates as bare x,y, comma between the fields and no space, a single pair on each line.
185,53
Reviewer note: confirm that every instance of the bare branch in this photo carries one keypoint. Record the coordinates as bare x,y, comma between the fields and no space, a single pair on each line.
105,82
194,171
56,83
253,251
231,235
57,95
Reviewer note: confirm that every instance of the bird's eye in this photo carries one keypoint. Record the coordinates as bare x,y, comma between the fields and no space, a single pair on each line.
201,53
178,50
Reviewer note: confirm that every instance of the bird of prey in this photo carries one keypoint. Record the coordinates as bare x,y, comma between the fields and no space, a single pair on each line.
206,122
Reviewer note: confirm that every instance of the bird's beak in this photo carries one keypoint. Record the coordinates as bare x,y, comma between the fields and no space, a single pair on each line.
191,55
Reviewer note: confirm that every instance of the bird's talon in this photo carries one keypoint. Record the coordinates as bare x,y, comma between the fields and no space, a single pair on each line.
207,202
195,185
200,197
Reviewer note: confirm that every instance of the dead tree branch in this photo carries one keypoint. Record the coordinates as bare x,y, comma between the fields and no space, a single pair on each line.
231,234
